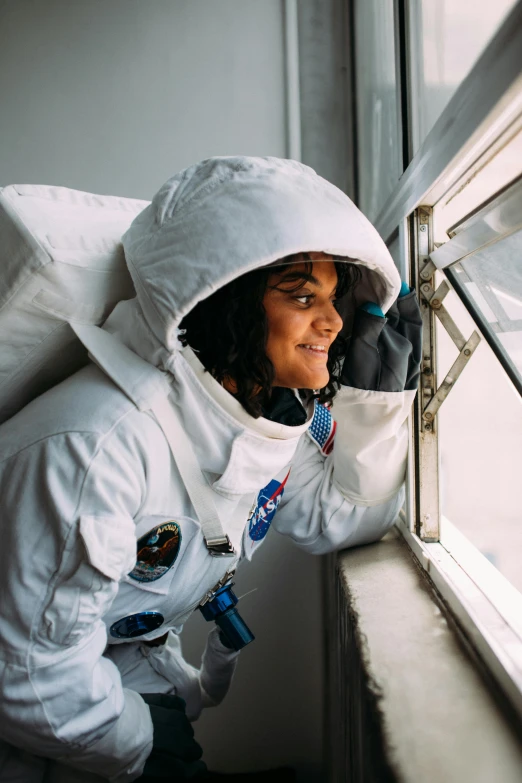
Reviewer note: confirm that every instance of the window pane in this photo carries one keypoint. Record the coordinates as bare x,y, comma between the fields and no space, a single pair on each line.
379,159
447,38
480,441
492,280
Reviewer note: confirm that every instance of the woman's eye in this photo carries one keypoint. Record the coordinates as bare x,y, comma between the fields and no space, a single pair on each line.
305,299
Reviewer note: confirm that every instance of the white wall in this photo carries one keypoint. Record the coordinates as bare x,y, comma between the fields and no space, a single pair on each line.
114,97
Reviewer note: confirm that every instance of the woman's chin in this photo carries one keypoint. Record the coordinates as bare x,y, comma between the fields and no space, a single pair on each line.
304,381
320,383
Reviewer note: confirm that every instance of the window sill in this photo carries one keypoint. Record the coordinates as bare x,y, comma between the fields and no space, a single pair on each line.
487,607
417,687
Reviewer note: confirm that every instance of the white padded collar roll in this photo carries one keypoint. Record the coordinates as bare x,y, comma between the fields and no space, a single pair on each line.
270,429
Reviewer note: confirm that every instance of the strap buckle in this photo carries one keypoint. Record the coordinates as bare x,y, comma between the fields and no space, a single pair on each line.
220,547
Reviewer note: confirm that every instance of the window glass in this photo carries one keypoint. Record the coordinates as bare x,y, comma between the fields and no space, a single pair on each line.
446,38
378,144
492,281
480,442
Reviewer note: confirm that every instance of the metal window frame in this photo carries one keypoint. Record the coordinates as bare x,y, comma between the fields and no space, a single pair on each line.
485,108
402,54
430,395
293,103
497,219
413,69
500,217
485,327
486,606
427,496
486,104
482,602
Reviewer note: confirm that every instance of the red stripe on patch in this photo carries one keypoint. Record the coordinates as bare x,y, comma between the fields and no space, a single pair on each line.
278,490
328,446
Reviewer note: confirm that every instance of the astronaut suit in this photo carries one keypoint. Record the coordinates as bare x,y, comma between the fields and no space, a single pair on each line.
97,524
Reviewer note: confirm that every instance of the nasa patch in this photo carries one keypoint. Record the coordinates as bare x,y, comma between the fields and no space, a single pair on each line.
157,552
267,504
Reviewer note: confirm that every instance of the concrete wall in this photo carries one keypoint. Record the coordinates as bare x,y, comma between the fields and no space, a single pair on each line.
114,97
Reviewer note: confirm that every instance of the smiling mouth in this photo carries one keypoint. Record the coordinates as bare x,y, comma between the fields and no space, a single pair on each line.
318,351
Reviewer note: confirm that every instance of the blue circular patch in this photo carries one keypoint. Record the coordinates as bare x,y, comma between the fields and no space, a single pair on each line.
157,552
136,625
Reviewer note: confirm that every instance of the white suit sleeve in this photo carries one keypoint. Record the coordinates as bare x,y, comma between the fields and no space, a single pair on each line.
163,669
353,495
371,443
68,516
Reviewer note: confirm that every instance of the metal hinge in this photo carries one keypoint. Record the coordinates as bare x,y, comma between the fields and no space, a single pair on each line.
466,348
427,501
431,395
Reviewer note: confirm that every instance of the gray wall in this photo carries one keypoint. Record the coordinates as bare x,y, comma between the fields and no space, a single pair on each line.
114,97
326,90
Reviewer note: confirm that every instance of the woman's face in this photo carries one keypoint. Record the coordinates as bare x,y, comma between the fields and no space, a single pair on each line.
302,322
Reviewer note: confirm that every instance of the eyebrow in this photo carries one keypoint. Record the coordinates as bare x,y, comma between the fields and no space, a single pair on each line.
308,279
304,278
291,277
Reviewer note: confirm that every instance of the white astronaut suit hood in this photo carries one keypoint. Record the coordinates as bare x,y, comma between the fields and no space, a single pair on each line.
224,217
209,224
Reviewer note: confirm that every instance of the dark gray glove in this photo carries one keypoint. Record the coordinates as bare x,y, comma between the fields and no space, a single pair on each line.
175,753
384,352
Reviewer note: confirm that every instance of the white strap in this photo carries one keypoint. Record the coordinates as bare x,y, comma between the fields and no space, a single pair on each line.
192,476
148,389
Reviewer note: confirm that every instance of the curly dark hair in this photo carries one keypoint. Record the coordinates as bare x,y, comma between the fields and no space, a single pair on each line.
229,331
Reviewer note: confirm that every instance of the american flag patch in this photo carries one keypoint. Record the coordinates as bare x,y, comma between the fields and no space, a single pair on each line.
322,428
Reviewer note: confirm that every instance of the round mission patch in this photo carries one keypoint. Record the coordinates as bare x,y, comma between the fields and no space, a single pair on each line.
157,552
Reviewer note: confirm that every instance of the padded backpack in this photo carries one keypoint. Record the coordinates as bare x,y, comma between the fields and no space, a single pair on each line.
61,259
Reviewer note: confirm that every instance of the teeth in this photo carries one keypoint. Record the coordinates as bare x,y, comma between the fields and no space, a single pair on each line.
320,348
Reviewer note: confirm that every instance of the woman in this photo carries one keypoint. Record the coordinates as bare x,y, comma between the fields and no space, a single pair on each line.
248,272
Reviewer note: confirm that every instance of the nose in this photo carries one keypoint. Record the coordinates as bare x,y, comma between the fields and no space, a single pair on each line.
329,319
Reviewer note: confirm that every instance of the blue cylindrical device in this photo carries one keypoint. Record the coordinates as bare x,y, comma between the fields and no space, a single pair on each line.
221,609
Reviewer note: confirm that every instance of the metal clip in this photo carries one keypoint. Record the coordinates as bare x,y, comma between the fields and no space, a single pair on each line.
211,593
221,547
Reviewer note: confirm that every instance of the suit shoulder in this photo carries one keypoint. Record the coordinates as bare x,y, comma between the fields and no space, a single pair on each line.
87,405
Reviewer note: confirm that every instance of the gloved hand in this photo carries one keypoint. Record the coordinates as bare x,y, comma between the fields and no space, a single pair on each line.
384,352
175,753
